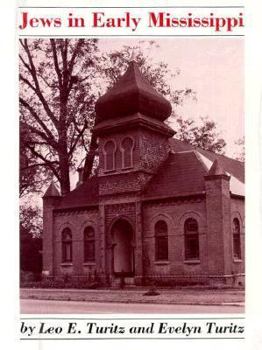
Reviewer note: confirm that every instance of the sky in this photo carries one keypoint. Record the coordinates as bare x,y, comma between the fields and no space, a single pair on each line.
214,69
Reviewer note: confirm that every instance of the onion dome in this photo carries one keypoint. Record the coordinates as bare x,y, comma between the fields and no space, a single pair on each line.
132,94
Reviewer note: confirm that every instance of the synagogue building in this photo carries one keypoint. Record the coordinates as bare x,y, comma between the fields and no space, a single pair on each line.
157,210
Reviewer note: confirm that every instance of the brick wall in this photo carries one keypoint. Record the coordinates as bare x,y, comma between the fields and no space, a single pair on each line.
150,150
174,213
238,211
218,224
76,221
48,247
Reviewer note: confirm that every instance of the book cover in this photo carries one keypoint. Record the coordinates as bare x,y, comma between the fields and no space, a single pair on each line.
132,146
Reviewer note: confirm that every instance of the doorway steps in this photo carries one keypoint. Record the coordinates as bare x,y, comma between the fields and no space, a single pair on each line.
128,282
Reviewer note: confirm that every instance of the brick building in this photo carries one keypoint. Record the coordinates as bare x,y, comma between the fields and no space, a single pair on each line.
158,208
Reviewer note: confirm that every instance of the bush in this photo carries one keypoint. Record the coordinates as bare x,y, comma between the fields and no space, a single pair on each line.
26,276
63,282
170,281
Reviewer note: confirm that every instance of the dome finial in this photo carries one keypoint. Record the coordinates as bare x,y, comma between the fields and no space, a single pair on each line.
132,54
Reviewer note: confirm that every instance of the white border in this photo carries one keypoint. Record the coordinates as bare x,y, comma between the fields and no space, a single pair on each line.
9,189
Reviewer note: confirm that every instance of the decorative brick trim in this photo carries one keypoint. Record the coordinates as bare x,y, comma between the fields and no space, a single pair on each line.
76,210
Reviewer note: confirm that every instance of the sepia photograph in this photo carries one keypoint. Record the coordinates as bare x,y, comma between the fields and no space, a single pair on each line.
132,175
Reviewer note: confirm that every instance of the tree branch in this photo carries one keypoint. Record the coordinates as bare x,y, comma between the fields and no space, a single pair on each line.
37,86
36,165
77,139
76,50
46,161
25,64
27,82
57,69
33,113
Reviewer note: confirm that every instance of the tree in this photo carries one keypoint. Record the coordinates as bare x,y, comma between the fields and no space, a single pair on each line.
31,228
204,135
241,154
31,220
56,103
31,175
30,252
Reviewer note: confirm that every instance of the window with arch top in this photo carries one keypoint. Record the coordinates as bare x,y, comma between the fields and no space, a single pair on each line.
127,146
109,155
191,239
89,244
161,240
236,239
67,256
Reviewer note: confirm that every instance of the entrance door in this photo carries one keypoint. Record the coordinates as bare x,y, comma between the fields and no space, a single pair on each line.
123,254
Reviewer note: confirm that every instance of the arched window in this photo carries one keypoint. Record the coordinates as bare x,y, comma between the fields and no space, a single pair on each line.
236,239
127,146
66,245
89,244
109,155
191,239
161,240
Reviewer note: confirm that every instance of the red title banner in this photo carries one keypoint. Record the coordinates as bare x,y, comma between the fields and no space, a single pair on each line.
120,21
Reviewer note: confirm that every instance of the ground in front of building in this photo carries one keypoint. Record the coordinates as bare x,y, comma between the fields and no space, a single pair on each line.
105,300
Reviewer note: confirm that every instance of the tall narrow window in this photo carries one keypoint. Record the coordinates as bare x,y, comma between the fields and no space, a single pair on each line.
236,239
161,240
191,240
89,244
66,245
127,146
109,154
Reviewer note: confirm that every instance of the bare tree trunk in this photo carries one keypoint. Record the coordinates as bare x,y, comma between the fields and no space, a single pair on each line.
89,161
63,152
64,173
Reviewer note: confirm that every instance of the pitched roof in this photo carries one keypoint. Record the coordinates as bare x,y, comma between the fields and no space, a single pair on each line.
181,174
85,194
52,191
132,94
232,166
184,170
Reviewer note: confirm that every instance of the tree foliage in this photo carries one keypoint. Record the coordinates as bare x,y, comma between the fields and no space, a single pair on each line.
31,228
240,155
30,253
31,174
203,135
30,220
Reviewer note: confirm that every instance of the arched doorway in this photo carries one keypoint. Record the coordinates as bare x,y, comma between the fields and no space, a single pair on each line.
123,252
